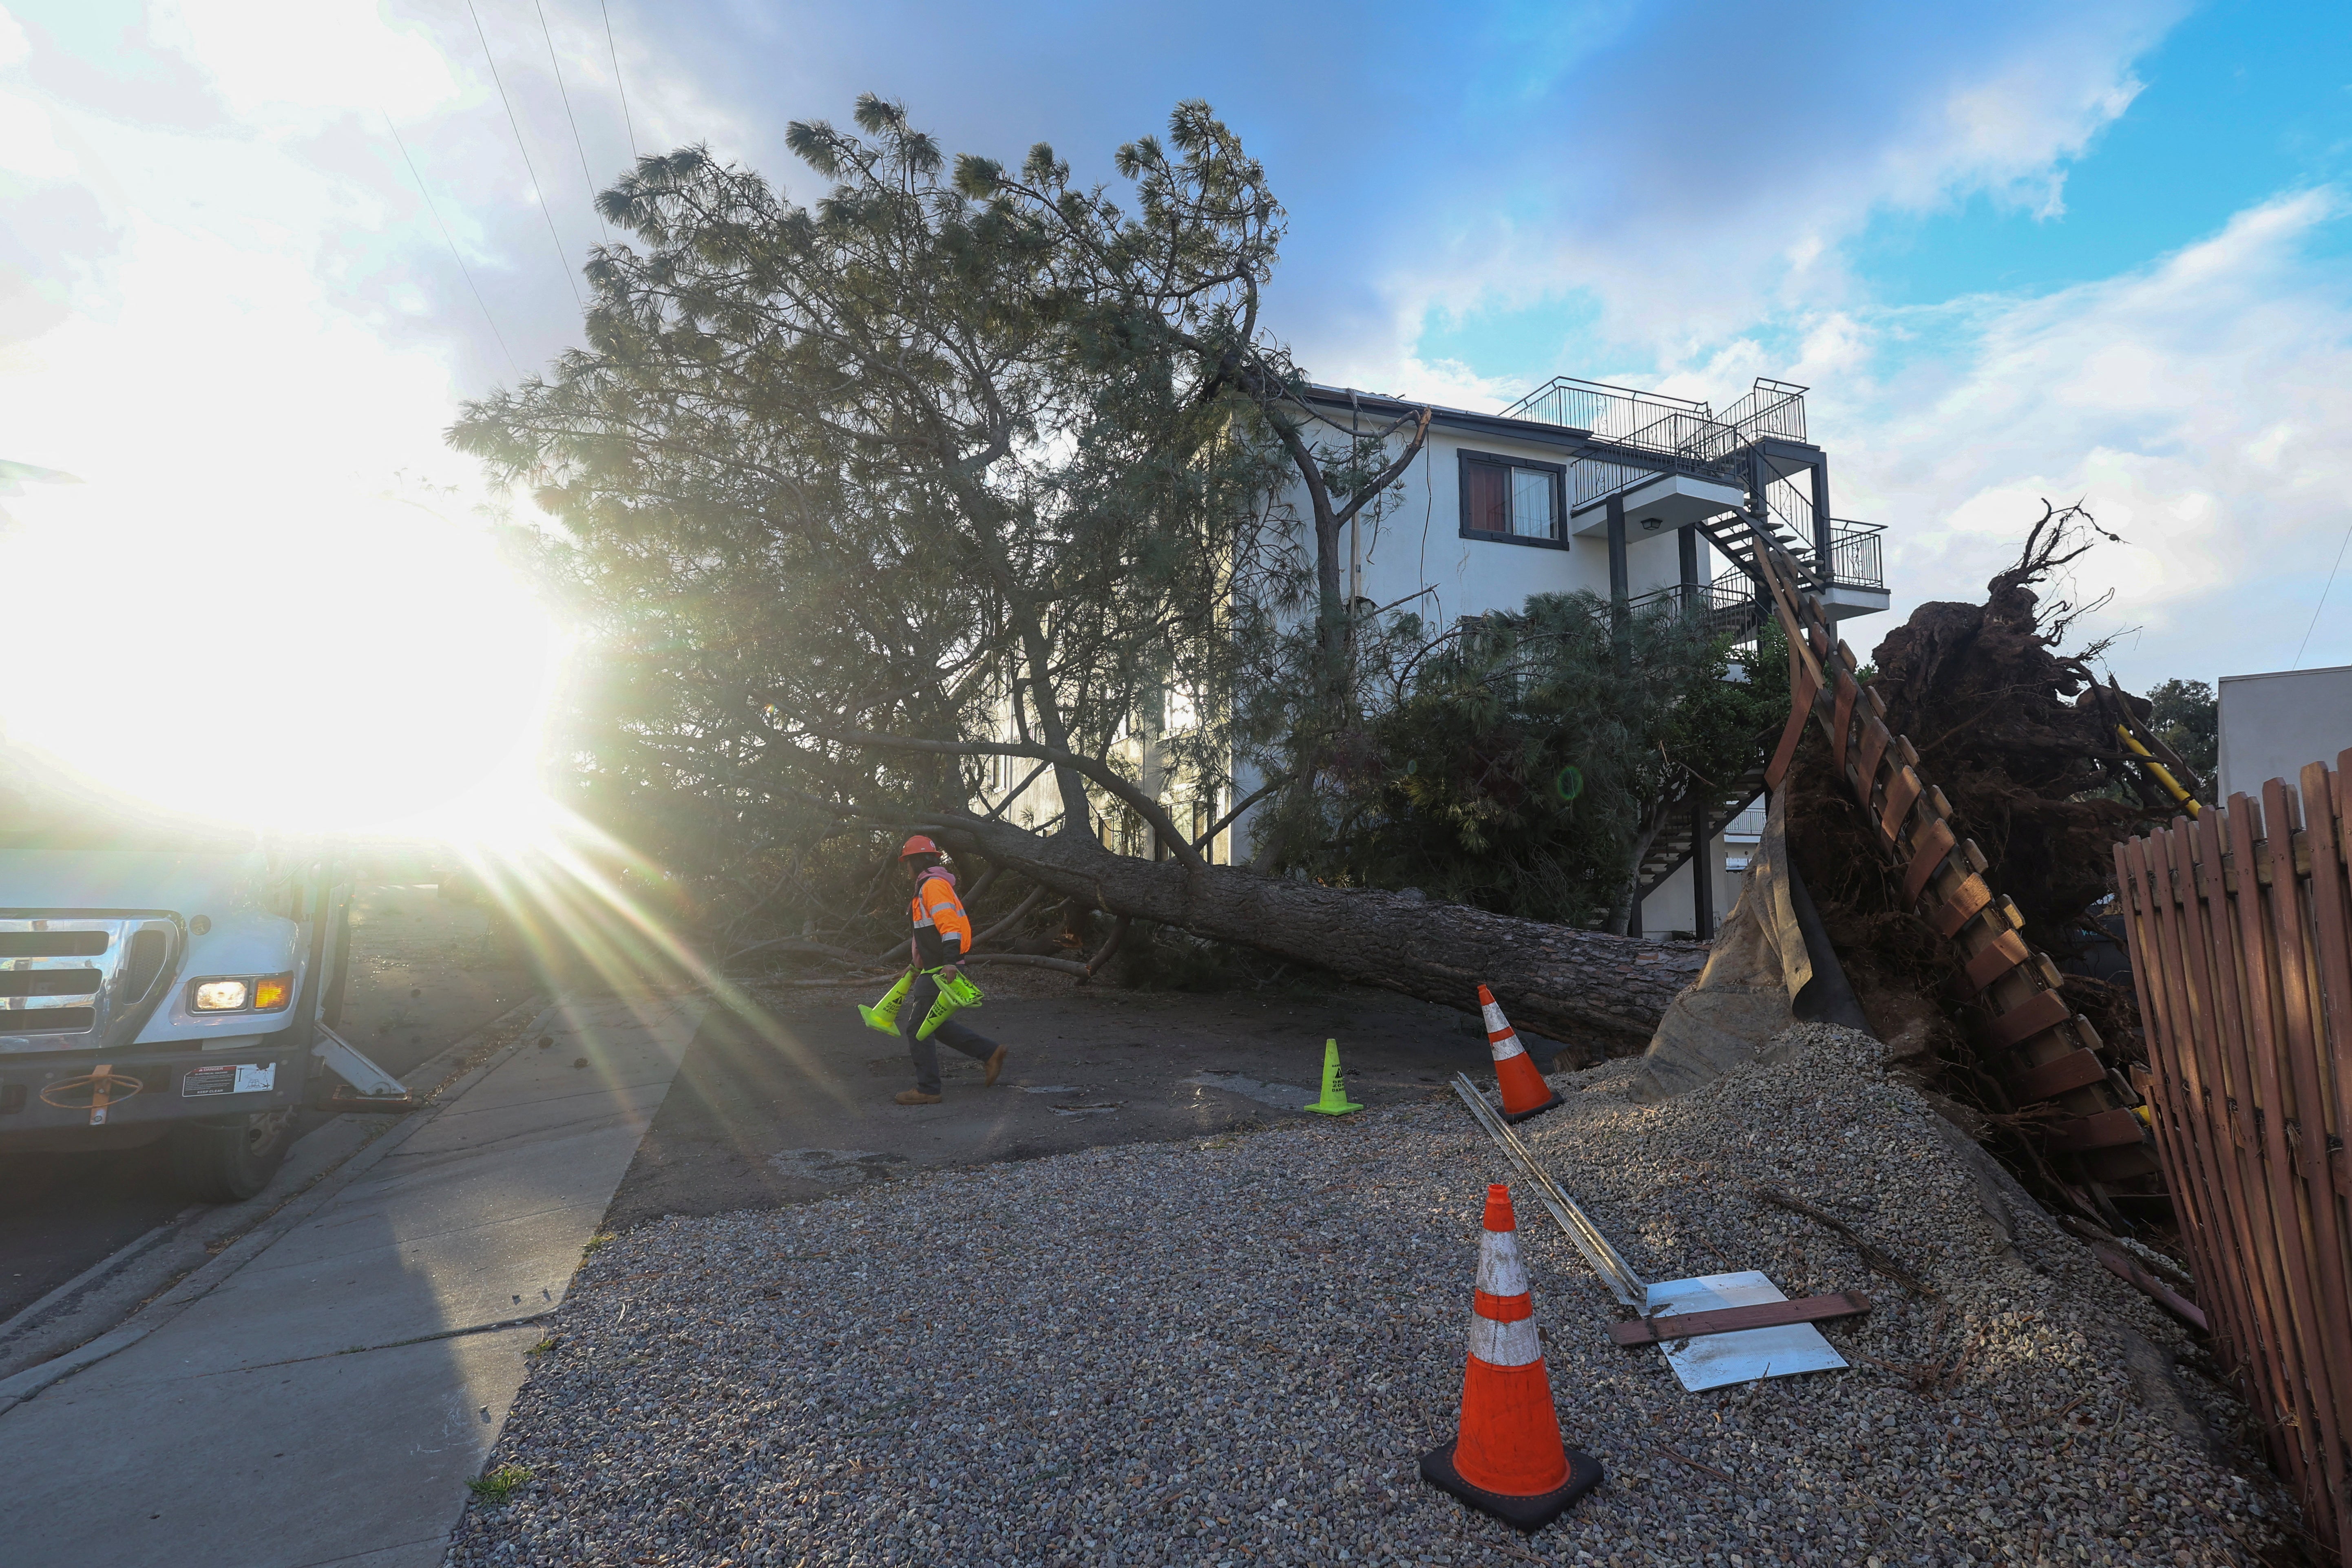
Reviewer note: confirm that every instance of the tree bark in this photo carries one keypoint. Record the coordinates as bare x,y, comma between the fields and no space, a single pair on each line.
1597,995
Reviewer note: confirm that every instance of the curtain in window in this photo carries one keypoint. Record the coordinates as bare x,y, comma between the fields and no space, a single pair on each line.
1531,510
1490,496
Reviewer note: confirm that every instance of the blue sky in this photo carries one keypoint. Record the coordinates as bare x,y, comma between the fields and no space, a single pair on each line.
2069,250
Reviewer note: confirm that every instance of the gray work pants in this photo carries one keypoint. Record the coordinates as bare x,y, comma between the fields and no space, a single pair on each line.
911,1013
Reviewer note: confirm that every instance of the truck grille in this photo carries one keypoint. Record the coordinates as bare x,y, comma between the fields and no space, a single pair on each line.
49,982
71,982
53,944
55,1021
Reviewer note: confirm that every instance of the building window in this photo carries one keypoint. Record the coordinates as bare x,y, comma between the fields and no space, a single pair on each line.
1514,500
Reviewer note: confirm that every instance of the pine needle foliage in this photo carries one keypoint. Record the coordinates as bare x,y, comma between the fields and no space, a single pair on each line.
1525,763
861,493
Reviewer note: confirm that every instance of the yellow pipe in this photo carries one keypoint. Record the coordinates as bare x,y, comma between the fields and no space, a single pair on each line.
2163,774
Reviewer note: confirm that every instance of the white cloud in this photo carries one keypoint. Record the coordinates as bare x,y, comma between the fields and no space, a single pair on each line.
305,60
2201,407
2010,134
1452,383
1709,170
29,140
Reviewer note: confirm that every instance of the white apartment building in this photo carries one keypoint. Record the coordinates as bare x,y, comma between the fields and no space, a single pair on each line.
1628,494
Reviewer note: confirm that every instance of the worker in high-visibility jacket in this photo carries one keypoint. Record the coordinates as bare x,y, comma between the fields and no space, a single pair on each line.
942,940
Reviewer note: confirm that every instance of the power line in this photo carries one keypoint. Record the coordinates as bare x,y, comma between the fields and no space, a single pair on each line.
454,256
615,48
561,259
2323,599
586,178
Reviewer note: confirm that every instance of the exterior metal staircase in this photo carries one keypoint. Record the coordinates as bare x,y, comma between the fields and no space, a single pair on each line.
1756,445
1660,435
1671,849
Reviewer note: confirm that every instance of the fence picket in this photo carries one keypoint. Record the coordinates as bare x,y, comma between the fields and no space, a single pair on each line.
2188,1105
2242,963
2293,1365
2237,1242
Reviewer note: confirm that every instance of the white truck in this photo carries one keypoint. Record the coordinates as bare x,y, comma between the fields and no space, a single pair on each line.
165,979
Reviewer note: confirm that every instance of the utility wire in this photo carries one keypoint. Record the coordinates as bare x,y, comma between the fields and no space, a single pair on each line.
561,259
586,178
2323,599
454,256
615,48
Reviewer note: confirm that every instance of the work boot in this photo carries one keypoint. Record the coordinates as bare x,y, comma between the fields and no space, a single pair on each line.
995,1065
917,1097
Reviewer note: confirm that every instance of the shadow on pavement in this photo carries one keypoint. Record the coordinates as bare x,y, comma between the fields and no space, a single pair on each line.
792,1104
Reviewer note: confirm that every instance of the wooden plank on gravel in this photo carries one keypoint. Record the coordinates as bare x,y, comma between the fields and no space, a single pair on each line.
1634,1333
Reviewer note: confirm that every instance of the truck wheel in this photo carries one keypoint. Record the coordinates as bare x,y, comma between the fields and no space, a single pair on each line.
229,1159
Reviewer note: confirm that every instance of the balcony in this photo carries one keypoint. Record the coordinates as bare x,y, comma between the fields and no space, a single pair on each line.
1732,603
1854,559
1672,463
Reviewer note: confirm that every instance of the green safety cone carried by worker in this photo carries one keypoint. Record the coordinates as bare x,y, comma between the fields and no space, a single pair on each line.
956,994
1335,1100
884,1015
954,997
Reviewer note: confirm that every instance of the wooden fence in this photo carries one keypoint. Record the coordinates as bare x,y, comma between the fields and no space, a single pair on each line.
2240,926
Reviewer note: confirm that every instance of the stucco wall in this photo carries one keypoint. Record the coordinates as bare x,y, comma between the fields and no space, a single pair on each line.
1416,541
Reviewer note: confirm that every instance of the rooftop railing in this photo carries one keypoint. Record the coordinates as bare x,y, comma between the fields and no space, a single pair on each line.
1653,422
1615,414
1770,408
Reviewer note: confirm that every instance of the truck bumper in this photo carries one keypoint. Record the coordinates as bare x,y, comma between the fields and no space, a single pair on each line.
127,1089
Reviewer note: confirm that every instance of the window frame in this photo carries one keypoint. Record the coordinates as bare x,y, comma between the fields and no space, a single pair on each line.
1464,457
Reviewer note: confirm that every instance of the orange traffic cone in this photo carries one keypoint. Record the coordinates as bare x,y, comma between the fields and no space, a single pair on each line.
1525,1092
1508,1459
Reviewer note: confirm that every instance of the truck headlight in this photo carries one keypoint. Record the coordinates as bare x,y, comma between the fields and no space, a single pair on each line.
221,995
273,993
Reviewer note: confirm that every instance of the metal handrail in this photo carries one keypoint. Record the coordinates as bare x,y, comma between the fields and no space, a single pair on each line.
1689,437
1855,558
1728,604
1770,408
1613,412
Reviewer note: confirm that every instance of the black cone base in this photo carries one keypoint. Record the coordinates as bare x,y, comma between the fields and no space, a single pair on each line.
1522,1513
1550,1105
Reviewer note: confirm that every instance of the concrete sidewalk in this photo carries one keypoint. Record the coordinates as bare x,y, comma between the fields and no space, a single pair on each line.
326,1401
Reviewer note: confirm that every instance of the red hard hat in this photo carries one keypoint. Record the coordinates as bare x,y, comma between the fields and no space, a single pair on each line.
918,845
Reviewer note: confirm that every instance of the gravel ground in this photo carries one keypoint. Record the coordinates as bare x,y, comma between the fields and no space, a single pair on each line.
1232,1352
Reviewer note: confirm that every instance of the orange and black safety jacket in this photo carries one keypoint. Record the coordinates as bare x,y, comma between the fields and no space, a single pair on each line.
943,930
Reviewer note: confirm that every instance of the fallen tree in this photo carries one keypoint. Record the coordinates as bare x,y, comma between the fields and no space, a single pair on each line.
1597,994
867,502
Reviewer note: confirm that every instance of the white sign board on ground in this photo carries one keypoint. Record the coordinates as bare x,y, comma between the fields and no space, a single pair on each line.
2272,724
1711,1361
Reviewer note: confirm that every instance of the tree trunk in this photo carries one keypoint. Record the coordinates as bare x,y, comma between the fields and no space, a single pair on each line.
1597,995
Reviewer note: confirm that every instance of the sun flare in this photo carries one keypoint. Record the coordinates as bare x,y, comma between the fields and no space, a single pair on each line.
365,664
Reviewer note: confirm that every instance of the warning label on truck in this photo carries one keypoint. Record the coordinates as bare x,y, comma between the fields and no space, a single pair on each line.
239,1077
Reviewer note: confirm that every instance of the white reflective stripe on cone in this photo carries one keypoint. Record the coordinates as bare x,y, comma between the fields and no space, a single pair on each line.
1507,1047
1505,1345
1495,1022
1500,1272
